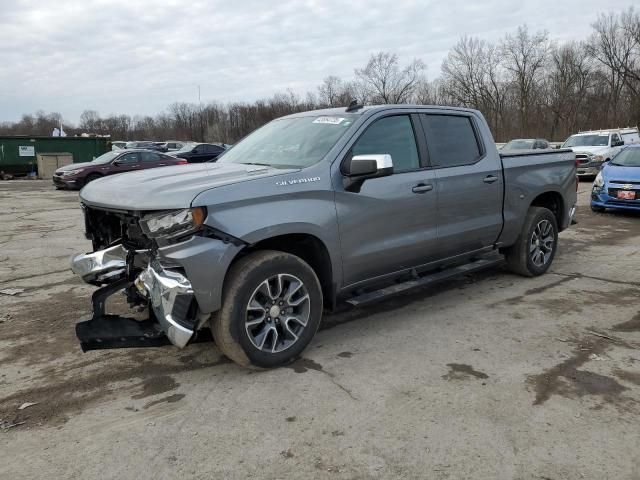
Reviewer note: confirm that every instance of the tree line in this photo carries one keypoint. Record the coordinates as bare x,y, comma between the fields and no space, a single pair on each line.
526,84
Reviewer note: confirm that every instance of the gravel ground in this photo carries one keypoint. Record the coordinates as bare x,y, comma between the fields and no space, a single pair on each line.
491,376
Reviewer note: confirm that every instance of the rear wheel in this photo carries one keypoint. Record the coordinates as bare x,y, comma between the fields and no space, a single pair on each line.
536,246
271,309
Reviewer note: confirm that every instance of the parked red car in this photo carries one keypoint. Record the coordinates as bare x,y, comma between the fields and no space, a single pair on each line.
78,175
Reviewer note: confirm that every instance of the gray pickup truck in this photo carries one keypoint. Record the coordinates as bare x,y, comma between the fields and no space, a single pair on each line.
313,209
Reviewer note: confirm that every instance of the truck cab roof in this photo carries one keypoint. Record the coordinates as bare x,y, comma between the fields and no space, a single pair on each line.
371,109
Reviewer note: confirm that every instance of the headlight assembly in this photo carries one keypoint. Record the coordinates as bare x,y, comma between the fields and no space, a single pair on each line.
599,181
173,223
597,158
72,172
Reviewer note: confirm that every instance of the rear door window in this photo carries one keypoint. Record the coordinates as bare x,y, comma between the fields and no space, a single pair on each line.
451,140
393,136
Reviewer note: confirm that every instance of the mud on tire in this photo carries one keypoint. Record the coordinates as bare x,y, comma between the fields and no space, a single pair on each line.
536,246
271,309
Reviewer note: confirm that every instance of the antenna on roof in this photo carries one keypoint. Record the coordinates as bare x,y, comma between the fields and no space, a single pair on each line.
354,106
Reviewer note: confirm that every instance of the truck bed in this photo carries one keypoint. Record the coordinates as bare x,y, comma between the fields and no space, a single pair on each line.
526,174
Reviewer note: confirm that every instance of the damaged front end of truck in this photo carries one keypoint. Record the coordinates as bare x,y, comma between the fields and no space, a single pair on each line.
156,259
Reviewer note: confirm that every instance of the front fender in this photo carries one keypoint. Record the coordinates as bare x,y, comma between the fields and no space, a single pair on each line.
270,207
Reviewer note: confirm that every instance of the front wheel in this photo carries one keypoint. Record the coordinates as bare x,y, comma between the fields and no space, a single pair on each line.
91,177
271,309
597,209
536,246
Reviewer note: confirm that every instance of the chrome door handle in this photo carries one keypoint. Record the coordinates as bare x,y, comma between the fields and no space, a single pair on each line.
422,188
490,179
162,164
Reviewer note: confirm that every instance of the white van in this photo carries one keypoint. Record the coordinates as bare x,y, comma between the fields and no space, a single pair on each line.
630,135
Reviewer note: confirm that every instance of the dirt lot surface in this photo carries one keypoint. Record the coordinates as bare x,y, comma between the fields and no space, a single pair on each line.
492,376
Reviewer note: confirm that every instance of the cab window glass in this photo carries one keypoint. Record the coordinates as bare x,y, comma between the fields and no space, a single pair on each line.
451,140
393,136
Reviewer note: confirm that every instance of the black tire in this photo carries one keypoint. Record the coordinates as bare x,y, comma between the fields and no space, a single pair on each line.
523,258
243,283
91,177
597,209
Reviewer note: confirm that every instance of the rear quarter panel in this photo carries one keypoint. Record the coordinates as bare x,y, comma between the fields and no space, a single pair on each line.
527,176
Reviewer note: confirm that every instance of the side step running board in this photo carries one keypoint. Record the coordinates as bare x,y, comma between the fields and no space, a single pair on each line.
428,279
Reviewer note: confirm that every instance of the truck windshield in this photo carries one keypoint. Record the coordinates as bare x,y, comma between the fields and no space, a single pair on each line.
587,141
629,157
290,142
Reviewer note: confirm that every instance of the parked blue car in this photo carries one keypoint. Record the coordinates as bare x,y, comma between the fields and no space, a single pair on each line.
617,186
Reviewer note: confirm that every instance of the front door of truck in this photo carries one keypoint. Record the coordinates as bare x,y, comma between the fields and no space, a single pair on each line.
470,183
390,224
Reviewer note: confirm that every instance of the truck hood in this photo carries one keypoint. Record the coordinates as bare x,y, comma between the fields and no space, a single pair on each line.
591,150
168,187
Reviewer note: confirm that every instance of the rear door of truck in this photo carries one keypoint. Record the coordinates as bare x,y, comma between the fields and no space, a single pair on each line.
469,181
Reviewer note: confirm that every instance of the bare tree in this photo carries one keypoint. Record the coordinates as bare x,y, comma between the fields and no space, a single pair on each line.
526,56
615,44
473,76
90,121
383,80
568,82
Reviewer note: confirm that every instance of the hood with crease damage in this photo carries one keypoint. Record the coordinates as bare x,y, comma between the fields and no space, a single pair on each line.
167,188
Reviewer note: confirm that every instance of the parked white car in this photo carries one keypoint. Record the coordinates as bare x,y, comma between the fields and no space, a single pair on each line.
593,148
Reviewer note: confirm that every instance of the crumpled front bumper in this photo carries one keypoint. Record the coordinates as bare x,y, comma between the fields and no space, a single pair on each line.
600,198
171,296
103,266
182,282
170,293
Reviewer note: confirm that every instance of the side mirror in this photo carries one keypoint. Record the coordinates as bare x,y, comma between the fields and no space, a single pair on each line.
363,167
116,163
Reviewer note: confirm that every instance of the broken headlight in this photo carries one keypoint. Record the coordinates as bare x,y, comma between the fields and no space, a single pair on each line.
599,181
173,223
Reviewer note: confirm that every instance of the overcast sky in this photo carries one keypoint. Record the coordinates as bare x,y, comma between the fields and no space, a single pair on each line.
138,56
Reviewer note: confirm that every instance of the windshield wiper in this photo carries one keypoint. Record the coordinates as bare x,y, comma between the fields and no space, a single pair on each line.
256,163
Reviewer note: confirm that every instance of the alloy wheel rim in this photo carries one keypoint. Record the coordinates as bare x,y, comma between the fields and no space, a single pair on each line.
542,243
277,313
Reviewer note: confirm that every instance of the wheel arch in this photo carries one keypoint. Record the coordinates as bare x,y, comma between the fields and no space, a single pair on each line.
553,201
309,248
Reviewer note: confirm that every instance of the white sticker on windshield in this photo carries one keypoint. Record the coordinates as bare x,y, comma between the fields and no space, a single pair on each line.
330,120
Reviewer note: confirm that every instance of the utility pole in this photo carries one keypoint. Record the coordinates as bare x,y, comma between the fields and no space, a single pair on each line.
201,119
